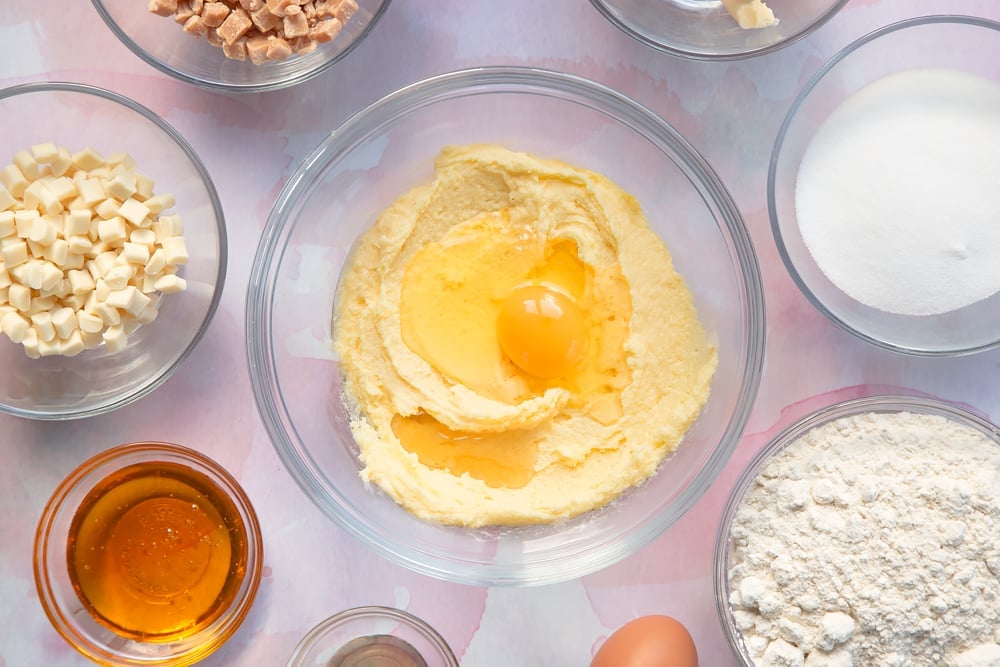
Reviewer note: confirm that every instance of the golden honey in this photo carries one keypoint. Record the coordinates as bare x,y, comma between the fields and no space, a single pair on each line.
157,551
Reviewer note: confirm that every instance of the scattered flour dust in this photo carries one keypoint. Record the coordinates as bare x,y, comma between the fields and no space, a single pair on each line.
872,541
898,193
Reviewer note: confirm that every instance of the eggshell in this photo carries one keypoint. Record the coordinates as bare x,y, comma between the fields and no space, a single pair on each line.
648,641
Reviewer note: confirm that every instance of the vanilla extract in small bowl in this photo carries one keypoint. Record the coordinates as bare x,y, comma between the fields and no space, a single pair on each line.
162,553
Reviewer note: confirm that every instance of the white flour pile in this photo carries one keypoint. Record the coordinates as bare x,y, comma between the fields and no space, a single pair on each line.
872,541
898,193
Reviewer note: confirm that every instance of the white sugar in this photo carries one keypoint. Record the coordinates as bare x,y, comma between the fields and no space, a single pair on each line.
898,194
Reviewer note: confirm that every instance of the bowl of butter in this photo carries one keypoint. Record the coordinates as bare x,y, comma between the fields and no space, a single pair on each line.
718,30
505,326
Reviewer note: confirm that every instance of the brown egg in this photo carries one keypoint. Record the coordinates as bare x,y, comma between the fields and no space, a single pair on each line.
648,641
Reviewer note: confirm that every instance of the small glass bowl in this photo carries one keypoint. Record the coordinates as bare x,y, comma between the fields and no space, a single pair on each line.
724,557
955,42
97,381
162,43
65,608
385,150
359,630
704,30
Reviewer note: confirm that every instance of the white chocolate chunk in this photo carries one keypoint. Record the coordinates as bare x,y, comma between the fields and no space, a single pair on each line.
112,229
23,221
7,224
45,153
57,252
4,277
175,250
170,284
63,188
133,211
121,159
130,299
118,277
62,163
73,344
76,223
101,290
43,231
91,191
42,323
136,253
87,159
64,322
52,276
19,296
50,348
79,245
143,187
121,186
144,236
7,200
91,340
27,164
167,226
160,203
107,209
89,323
115,338
110,316
15,326
14,254
13,180
81,282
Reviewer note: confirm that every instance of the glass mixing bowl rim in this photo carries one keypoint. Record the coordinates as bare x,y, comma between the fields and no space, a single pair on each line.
212,84
772,204
788,436
375,611
545,568
690,54
220,225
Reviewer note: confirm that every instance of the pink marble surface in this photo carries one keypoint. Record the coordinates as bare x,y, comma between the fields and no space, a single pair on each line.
251,143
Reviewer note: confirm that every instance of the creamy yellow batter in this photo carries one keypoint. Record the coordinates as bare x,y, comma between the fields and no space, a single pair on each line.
470,411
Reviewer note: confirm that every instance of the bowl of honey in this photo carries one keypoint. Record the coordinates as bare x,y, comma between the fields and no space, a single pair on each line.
148,553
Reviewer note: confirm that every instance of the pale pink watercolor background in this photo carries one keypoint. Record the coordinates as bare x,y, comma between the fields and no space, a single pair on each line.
251,143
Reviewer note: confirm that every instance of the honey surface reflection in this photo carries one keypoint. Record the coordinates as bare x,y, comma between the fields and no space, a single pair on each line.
157,551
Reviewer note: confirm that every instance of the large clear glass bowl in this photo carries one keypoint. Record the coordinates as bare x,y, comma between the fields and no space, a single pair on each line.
725,557
160,42
96,381
387,149
957,42
704,30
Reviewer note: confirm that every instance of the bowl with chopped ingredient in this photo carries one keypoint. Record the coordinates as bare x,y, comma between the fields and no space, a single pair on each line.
718,29
112,250
241,45
866,534
882,187
505,326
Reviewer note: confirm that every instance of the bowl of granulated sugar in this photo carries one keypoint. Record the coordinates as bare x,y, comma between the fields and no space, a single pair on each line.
883,187
868,533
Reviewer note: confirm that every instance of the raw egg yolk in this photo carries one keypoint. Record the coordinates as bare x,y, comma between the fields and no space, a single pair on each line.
541,330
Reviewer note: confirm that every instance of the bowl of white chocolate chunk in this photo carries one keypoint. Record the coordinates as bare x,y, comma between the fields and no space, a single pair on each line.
112,251
241,45
718,29
868,533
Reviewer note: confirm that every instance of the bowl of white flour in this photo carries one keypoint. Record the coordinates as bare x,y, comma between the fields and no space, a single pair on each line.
866,534
883,187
